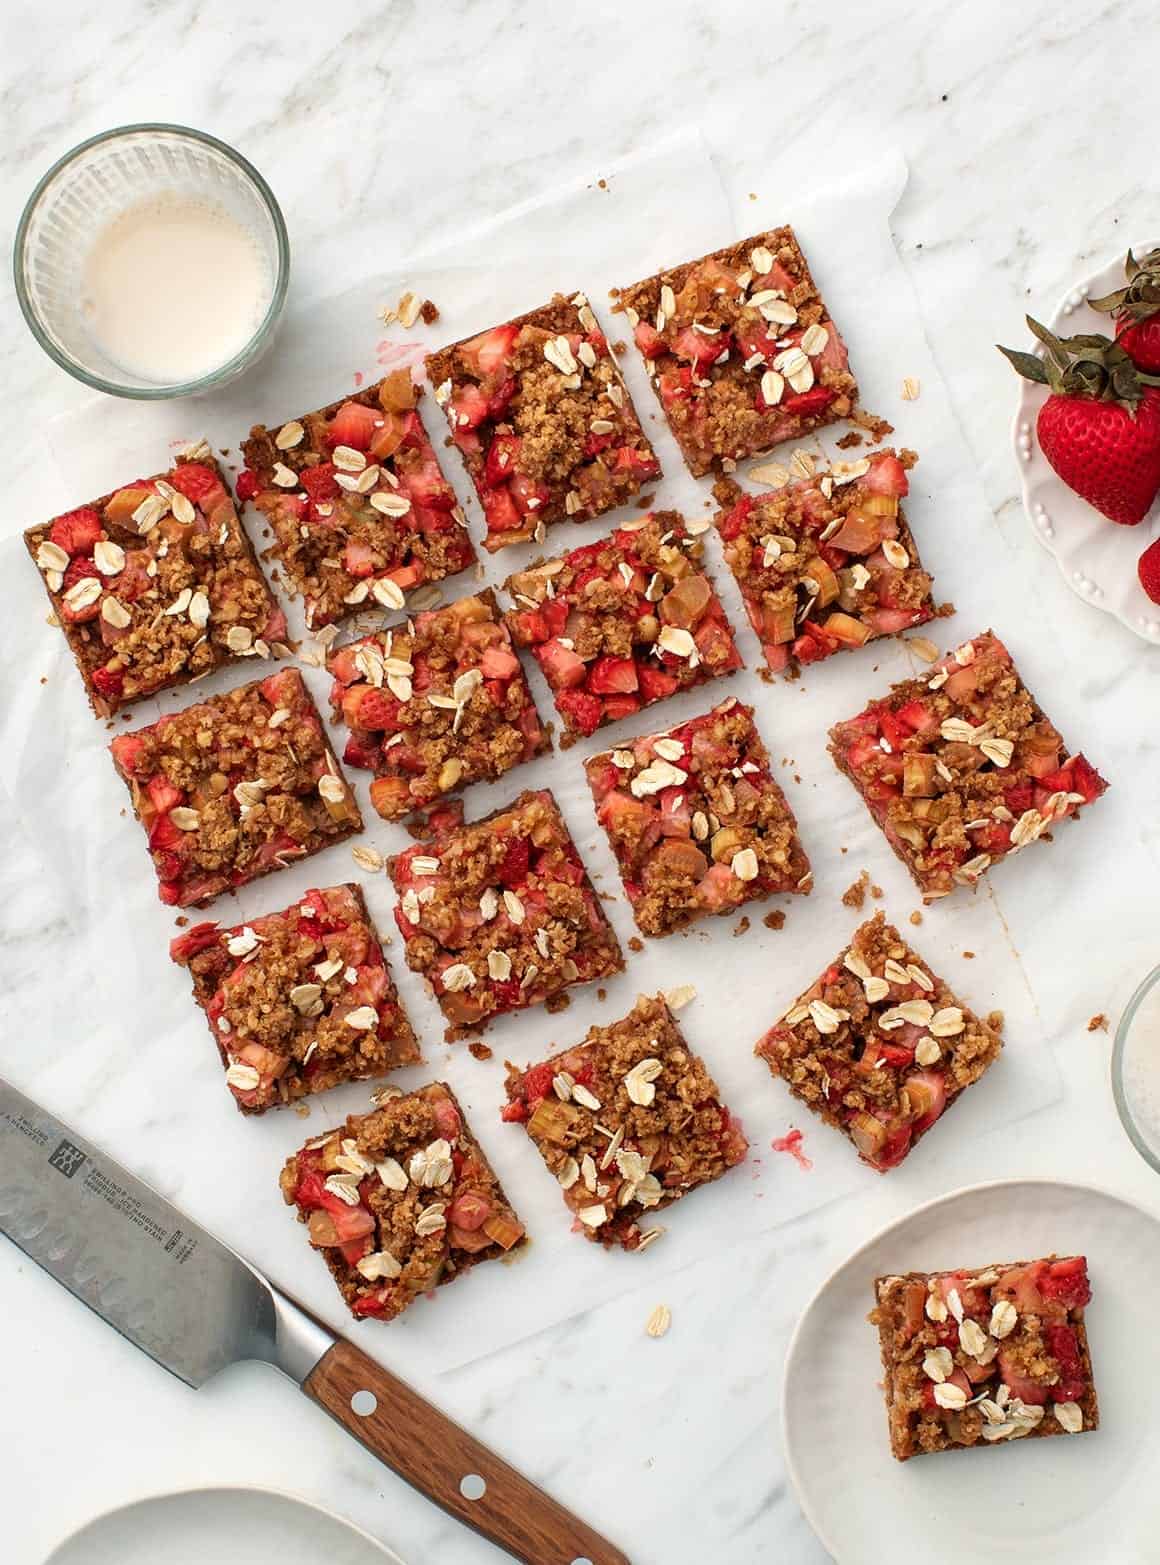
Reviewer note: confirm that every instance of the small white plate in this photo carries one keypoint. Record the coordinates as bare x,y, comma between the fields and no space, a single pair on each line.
221,1527
1097,557
1073,1502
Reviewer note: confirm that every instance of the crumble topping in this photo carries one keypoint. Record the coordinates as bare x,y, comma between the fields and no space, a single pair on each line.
622,623
989,1357
961,767
741,350
826,563
235,787
298,1001
628,1121
696,821
501,914
543,421
156,584
435,705
361,512
879,1046
400,1200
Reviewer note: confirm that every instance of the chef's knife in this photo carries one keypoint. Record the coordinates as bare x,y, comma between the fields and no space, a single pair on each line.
195,1306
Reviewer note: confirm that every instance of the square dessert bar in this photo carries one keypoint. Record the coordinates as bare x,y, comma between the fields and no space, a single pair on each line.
628,1121
501,914
435,705
234,788
361,511
542,420
400,1201
156,584
878,1046
741,350
827,563
994,1355
619,624
961,767
298,1001
696,821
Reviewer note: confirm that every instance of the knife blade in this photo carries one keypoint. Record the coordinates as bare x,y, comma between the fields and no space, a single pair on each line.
194,1306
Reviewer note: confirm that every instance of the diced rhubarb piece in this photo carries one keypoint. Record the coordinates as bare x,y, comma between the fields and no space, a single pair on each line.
715,330
550,370
878,1013
681,1138
979,762
376,501
400,1201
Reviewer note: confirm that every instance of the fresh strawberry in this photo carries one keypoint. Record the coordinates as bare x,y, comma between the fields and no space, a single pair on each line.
580,710
613,676
513,869
1148,570
1136,309
77,531
353,425
196,481
1100,427
319,483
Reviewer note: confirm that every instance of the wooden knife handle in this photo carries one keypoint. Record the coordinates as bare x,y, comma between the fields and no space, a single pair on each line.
434,1454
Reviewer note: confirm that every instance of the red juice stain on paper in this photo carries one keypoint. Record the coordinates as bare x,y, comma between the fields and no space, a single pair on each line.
359,377
792,1143
388,352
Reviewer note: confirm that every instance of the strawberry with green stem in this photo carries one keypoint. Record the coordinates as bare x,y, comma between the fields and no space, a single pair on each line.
1100,427
1136,309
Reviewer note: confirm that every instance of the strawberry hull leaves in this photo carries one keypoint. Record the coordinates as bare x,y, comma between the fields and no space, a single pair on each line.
1100,427
1136,309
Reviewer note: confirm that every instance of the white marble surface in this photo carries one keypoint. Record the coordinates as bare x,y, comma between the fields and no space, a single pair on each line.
671,1447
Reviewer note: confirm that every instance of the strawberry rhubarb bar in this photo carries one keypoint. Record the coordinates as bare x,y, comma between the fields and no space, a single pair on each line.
696,821
243,784
400,1201
985,1356
826,563
435,705
543,421
156,584
298,1001
628,1121
619,624
500,914
961,767
741,350
878,1046
361,511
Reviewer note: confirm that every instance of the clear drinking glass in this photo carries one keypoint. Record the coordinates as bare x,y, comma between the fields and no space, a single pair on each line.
1136,1069
93,184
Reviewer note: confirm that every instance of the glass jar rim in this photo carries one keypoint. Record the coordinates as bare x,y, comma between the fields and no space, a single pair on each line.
1119,1091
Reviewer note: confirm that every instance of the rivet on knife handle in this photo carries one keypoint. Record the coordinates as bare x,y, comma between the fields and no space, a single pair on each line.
448,1465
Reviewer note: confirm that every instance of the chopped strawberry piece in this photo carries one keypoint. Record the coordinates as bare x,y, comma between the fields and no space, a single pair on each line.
1019,1384
426,486
76,532
927,1091
447,1120
514,1113
807,404
618,706
197,482
675,386
887,476
582,711
613,676
319,483
469,407
563,669
109,683
502,456
530,496
162,793
126,749
700,350
364,706
353,425
1064,1346
359,558
917,716
513,868
629,459
734,521
246,484
1067,1283
498,400
895,732
537,1082
500,510
489,351
1086,780
648,340
529,627
469,1211
655,683
555,612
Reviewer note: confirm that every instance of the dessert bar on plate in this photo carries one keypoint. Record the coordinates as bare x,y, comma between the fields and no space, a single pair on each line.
361,511
622,623
741,350
435,704
696,821
985,1356
826,563
628,1121
879,1046
543,421
238,786
298,1001
400,1200
500,914
156,584
961,767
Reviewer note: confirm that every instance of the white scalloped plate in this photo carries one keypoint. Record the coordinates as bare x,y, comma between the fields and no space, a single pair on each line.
1037,1500
1097,558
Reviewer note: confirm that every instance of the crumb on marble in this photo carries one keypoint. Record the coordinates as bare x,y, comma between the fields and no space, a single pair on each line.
1098,1023
774,920
854,896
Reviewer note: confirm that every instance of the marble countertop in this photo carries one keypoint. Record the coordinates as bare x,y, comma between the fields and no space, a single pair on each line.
435,117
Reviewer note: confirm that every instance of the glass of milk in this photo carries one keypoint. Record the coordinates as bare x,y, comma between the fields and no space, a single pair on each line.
152,261
1136,1069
